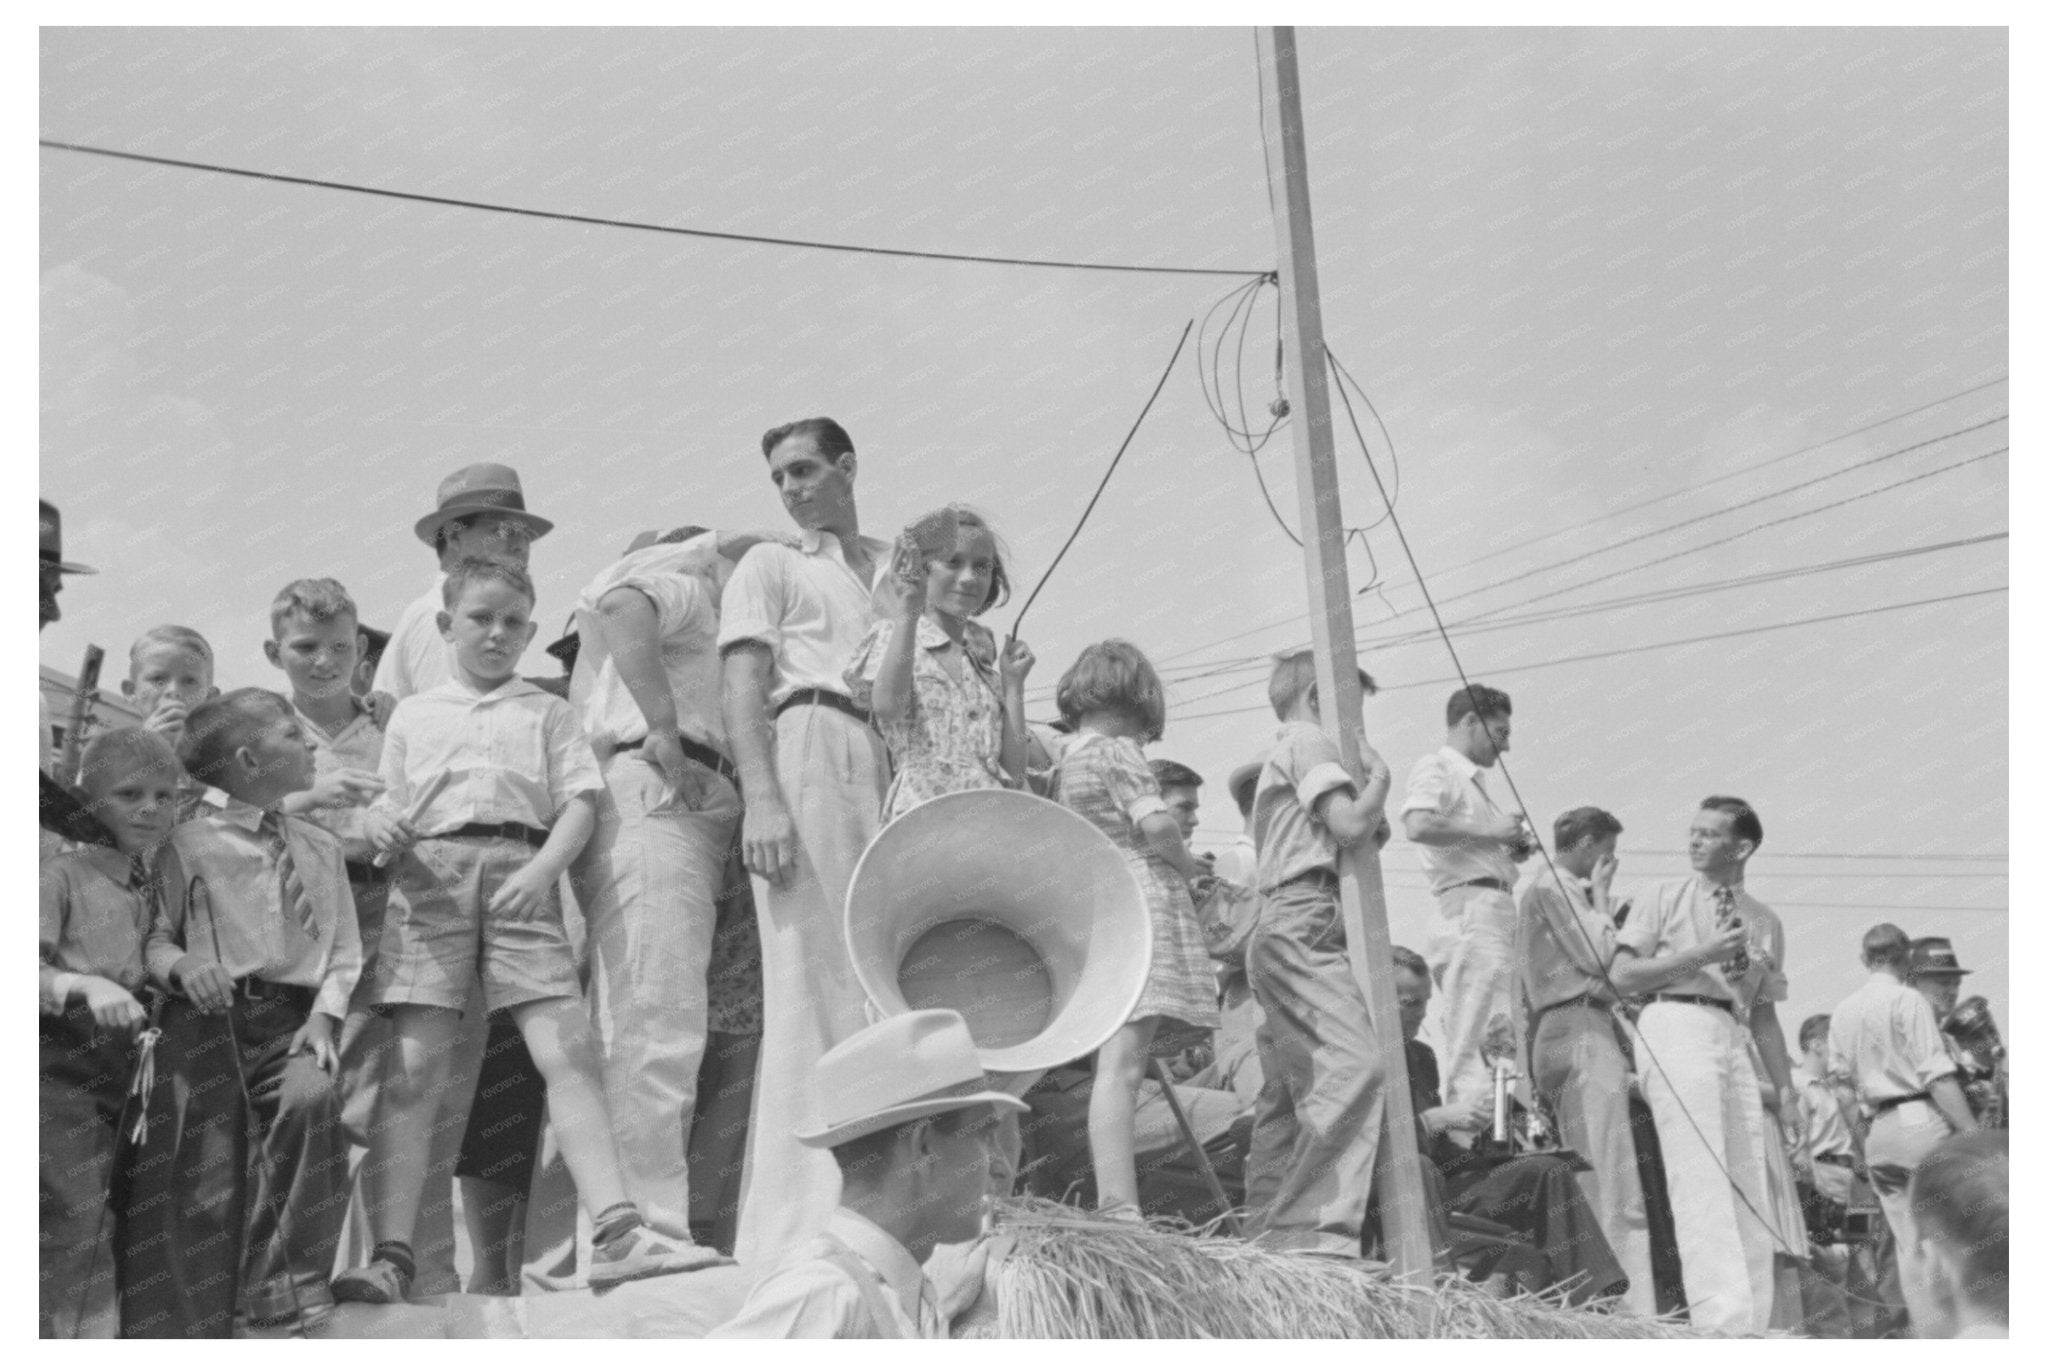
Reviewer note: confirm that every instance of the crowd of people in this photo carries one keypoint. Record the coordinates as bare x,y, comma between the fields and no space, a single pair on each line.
314,956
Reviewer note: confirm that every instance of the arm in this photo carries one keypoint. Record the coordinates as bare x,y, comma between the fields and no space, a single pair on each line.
1354,817
525,893
1637,975
1443,831
1163,834
1947,1094
631,629
895,688
1015,665
769,837
1770,1045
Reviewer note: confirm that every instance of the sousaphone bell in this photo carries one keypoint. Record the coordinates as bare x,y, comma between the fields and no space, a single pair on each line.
1012,910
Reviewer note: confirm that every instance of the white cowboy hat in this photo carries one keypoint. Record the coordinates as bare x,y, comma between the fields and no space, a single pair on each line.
906,1067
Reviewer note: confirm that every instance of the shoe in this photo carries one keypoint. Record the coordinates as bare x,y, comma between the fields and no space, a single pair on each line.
643,1253
377,1282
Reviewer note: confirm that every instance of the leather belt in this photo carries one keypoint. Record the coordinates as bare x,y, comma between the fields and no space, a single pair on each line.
511,829
1885,1106
1587,1001
1710,1001
818,696
703,753
1488,883
256,989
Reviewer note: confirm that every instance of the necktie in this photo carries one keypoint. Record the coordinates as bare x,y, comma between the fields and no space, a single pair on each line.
929,1324
1737,967
291,891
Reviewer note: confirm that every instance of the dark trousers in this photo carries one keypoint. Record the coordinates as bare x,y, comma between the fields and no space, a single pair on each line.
1538,1196
208,1209
82,1076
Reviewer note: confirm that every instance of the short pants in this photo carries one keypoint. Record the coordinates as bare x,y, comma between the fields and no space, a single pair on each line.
438,937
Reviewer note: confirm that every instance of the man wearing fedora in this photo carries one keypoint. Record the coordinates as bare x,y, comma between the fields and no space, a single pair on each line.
908,1115
1886,1041
479,513
62,815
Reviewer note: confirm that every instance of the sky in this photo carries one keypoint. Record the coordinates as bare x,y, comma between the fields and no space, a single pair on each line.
1672,333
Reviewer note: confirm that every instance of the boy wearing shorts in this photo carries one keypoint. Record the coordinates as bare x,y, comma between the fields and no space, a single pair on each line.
474,896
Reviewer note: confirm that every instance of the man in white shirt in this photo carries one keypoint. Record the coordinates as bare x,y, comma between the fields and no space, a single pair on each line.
1469,845
813,772
1886,1043
646,687
906,1113
1712,959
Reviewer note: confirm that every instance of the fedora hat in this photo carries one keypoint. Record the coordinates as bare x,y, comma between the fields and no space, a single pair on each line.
906,1067
480,488
1933,957
53,540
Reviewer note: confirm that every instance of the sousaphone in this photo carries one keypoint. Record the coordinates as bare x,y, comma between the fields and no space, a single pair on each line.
1012,910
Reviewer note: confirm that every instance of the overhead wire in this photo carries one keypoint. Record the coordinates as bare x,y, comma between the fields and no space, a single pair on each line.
1643,1046
1474,626
1612,513
1647,648
594,220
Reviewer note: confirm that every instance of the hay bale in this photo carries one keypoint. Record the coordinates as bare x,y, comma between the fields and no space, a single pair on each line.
1062,1273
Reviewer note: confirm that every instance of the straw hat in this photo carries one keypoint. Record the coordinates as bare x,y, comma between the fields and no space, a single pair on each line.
480,488
906,1067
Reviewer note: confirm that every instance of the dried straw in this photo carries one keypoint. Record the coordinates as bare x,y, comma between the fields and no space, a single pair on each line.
1062,1273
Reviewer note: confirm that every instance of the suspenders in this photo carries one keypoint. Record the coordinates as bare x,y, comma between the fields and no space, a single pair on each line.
883,1319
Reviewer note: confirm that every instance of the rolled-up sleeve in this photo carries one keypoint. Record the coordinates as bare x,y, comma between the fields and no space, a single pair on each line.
1919,1038
572,767
1429,787
1645,928
752,607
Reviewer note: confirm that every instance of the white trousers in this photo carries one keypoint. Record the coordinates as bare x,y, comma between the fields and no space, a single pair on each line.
1472,956
1901,1137
833,771
1710,1122
649,881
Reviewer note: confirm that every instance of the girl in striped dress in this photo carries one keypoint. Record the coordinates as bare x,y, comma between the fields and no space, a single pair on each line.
1113,698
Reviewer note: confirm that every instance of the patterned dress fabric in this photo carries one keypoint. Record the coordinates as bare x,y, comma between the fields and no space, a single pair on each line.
952,740
1106,781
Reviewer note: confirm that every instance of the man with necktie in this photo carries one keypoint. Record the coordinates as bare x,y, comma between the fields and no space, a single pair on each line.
1711,959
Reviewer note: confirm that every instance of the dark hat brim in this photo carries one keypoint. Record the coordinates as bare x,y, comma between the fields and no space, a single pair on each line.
66,566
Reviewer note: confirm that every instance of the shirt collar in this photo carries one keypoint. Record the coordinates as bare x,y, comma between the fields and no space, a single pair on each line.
359,711
515,686
241,814
111,861
1464,767
891,1260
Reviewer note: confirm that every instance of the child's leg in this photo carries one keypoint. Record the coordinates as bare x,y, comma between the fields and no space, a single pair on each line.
1112,1112
395,1171
299,1185
564,1049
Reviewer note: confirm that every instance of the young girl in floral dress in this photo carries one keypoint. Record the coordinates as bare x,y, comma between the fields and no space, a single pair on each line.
1115,701
949,704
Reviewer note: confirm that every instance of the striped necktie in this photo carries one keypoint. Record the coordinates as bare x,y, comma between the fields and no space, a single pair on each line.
1737,967
291,891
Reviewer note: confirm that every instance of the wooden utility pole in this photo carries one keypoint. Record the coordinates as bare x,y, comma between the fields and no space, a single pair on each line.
1399,1177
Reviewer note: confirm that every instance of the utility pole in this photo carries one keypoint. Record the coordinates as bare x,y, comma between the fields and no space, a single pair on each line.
1399,1174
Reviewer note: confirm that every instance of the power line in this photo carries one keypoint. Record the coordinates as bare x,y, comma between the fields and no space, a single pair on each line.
591,220
1115,460
1258,664
1900,416
1644,649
